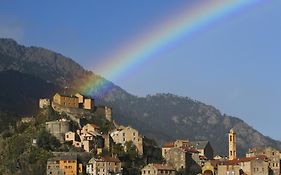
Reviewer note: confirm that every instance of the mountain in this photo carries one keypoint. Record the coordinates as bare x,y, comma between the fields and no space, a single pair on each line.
163,117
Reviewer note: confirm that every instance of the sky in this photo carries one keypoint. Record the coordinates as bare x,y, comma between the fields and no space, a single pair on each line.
232,63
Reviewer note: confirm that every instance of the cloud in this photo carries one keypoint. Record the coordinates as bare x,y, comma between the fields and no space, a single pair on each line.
11,28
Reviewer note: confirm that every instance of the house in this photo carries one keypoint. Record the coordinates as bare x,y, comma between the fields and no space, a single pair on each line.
166,147
58,128
158,169
204,147
104,166
63,165
88,128
229,169
178,143
87,138
68,101
85,102
126,134
246,165
182,159
272,154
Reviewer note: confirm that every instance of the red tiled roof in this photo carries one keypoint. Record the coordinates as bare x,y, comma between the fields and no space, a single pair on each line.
169,145
94,126
110,159
244,159
163,167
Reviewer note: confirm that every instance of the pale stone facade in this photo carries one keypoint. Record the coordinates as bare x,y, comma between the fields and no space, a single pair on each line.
228,169
178,158
85,102
232,151
272,154
158,169
44,103
126,134
66,100
104,166
87,138
247,165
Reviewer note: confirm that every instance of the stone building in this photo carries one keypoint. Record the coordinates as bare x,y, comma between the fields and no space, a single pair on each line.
178,143
272,154
158,169
104,166
69,101
204,147
246,165
85,102
63,165
87,138
44,103
229,169
182,159
232,151
58,128
126,134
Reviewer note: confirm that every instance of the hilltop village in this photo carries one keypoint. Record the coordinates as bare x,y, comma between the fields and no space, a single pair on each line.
102,147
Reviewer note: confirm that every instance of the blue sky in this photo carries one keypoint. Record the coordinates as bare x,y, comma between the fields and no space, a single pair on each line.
232,64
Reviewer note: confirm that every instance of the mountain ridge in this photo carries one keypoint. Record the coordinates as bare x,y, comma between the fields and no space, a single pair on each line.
162,116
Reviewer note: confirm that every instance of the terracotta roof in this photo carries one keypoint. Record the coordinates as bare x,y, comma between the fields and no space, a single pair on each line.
169,145
163,167
110,159
243,159
94,126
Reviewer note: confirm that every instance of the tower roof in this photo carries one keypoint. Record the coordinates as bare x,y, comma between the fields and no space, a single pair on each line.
232,131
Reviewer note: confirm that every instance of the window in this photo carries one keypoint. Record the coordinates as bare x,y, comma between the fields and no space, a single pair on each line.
230,138
230,153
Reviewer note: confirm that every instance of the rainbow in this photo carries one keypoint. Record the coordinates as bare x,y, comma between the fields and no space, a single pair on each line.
187,21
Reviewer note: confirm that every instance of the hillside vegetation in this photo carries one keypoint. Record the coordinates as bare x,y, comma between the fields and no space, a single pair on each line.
162,116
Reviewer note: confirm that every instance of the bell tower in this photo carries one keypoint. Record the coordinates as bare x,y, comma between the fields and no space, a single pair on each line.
232,145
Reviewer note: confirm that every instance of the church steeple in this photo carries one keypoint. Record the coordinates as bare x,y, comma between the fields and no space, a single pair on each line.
232,145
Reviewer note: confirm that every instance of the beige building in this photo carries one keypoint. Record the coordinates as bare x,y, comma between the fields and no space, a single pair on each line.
272,154
44,103
126,134
64,165
232,151
158,169
85,102
87,138
246,165
183,159
229,169
69,101
104,166
178,143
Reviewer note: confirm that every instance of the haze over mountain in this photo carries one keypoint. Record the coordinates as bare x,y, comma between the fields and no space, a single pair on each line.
35,72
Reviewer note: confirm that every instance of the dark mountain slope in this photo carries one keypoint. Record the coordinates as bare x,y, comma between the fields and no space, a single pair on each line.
19,92
162,116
